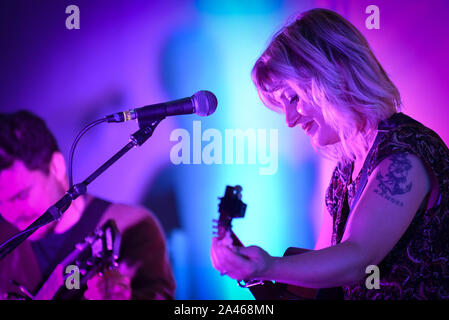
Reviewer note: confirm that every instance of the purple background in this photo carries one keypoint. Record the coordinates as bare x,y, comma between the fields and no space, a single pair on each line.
133,53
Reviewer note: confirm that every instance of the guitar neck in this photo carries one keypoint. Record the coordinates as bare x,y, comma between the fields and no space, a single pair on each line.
235,240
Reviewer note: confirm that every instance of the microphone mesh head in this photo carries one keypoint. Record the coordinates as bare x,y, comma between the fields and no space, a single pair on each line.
205,103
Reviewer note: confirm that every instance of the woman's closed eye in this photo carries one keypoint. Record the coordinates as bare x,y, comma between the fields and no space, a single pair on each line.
293,99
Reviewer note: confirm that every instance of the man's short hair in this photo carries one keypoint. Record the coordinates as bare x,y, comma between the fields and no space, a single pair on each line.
24,136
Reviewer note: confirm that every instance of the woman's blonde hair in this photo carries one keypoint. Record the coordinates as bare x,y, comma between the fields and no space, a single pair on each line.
332,63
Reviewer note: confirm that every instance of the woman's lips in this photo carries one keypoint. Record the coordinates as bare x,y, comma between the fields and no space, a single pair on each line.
307,126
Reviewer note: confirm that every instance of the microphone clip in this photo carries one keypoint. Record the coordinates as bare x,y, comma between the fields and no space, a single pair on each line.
146,129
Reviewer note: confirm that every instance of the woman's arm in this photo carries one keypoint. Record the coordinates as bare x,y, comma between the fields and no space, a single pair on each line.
325,235
386,208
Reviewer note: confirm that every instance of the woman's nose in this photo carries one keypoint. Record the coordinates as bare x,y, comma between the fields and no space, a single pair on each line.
292,116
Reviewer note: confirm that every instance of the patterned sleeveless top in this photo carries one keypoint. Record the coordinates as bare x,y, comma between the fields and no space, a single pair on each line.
417,267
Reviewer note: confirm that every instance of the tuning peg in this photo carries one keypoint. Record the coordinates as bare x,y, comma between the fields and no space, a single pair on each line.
89,239
98,232
79,246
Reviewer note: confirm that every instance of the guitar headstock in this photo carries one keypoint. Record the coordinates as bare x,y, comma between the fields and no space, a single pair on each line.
100,249
231,206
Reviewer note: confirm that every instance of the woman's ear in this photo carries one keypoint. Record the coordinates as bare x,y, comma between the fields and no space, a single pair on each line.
58,167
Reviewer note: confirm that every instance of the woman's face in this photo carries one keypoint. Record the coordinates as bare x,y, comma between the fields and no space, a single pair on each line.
308,117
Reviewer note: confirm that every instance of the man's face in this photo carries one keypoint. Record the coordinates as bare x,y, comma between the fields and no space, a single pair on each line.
26,194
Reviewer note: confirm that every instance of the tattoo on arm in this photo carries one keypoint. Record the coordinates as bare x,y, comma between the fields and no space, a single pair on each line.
395,181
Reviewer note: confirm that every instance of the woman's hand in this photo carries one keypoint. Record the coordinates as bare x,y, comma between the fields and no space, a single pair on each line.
240,263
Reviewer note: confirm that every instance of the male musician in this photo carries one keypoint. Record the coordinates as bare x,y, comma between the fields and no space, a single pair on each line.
32,178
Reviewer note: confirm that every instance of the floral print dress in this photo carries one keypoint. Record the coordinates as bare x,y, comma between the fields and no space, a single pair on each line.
417,267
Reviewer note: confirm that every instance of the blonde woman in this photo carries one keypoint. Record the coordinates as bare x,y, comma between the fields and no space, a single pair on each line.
388,199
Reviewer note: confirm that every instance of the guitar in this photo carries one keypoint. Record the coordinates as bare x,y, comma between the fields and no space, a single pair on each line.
231,206
98,252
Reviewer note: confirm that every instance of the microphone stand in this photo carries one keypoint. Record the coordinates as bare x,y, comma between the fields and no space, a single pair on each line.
55,212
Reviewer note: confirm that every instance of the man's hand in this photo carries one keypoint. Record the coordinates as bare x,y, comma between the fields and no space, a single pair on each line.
240,263
112,284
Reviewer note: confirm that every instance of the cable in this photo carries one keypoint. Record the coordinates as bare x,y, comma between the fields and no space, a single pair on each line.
2,245
75,142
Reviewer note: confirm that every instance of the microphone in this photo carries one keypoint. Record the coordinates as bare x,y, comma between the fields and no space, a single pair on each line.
202,103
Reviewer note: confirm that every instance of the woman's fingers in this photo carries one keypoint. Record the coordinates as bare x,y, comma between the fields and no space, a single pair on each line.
221,256
235,265
236,262
213,254
218,255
